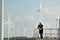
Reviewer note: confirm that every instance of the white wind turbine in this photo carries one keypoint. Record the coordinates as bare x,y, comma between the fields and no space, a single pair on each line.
9,25
36,34
40,11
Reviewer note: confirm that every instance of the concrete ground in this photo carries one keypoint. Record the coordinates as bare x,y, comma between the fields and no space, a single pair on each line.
37,39
45,39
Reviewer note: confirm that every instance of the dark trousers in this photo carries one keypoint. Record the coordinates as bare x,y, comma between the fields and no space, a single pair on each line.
41,35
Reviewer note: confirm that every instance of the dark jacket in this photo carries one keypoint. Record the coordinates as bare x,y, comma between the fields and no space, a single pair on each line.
41,27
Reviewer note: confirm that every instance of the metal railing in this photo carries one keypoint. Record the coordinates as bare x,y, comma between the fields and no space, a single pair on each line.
48,32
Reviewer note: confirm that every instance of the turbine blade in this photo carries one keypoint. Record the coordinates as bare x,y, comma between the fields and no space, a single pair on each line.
40,5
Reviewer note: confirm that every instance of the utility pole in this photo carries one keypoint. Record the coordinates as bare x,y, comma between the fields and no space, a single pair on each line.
2,33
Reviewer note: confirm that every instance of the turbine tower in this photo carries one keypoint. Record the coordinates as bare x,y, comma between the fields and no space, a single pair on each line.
36,34
9,25
39,12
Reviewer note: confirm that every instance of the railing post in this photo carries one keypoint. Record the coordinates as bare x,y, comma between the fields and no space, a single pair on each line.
45,32
50,32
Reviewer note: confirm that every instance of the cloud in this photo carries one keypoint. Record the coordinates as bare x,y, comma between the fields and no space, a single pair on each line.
17,18
47,10
23,18
54,10
30,18
52,1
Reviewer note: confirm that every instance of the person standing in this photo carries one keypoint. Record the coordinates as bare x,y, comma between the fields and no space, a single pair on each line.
40,27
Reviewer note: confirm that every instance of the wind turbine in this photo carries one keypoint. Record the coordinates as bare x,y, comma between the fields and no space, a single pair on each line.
36,34
9,25
39,11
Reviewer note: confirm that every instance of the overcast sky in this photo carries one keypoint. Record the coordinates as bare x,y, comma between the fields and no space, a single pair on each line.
24,15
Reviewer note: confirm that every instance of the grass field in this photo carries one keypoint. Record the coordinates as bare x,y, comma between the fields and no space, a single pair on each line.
25,38
19,38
